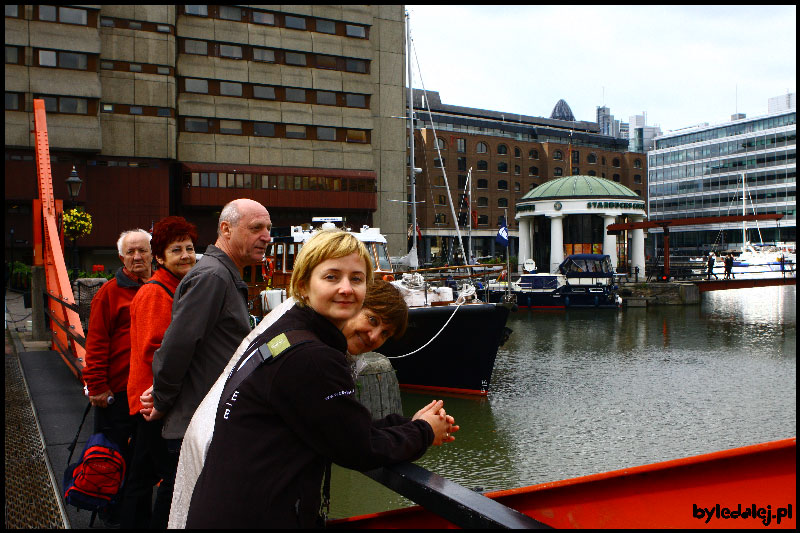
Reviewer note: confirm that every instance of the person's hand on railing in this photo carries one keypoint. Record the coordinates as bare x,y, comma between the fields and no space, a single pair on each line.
443,425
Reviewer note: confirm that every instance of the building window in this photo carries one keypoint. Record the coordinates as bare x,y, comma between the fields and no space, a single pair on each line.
637,178
461,145
557,155
516,170
616,177
437,163
230,51
294,58
196,86
356,100
259,17
196,125
70,60
263,129
483,220
483,201
135,110
227,88
325,26
533,171
295,95
262,54
199,11
558,171
517,186
502,149
502,166
462,163
517,152
576,157
326,134
356,136
296,23
483,165
482,184
576,171
230,127
637,163
191,46
481,148
66,15
326,98
615,162
441,199
502,185
592,173
440,218
502,202
591,158
533,154
12,101
352,30
441,143
326,62
295,132
266,93
230,13
356,65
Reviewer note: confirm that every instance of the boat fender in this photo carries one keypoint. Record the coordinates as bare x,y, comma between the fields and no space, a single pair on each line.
566,301
596,301
267,268
388,277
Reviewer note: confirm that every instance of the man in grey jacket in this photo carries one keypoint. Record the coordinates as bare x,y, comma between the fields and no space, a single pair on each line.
209,319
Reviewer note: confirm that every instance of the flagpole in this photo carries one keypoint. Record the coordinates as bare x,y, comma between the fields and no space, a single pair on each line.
508,260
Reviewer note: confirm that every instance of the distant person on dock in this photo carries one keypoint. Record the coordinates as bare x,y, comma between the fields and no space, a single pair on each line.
209,320
108,343
173,245
711,261
729,266
278,429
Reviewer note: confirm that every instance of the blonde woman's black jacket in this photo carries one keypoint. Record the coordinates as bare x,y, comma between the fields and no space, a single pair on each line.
266,460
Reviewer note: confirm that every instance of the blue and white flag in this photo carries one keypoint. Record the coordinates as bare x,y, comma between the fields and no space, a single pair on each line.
502,234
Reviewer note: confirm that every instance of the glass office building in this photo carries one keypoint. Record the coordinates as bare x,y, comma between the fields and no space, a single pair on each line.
699,172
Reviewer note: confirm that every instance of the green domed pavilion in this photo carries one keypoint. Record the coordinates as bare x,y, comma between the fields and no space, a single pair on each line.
575,211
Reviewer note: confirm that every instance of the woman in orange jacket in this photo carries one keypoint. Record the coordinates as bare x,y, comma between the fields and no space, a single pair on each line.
151,313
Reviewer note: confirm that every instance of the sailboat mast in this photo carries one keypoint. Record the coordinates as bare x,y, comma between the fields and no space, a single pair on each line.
414,259
744,212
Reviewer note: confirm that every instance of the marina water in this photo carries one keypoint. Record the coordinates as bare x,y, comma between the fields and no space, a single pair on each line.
584,391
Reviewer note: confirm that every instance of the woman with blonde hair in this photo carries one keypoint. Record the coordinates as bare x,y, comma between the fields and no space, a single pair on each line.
289,408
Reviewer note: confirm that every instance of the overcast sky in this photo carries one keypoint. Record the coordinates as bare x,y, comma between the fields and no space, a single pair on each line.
682,65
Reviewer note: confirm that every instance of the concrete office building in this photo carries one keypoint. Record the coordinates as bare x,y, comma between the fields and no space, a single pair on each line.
510,155
698,171
177,109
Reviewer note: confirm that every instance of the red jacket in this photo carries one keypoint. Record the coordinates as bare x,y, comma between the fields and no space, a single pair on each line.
108,342
151,313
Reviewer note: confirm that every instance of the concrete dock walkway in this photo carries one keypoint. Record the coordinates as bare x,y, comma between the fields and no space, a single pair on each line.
44,406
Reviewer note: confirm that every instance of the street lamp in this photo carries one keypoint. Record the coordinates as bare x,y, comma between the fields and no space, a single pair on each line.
74,188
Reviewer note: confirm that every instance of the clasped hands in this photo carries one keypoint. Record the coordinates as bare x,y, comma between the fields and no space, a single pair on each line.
148,410
443,425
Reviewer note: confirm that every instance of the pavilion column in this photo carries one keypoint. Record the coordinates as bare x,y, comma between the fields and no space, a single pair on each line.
637,248
524,242
610,241
556,242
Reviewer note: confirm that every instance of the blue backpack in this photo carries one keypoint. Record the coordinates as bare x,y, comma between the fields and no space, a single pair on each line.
94,482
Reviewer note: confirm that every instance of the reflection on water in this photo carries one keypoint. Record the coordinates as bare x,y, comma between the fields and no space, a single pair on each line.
584,391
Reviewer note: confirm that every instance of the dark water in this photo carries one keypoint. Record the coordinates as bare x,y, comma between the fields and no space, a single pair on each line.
582,391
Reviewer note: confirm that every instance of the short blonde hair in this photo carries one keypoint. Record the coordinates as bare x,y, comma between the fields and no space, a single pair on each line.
324,245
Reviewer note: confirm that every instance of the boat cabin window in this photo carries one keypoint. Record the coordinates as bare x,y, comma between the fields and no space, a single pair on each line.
539,282
291,252
279,257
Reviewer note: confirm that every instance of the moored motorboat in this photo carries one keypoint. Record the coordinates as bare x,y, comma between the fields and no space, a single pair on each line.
750,486
582,280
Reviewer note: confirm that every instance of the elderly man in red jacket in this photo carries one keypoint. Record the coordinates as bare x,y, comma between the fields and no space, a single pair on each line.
108,342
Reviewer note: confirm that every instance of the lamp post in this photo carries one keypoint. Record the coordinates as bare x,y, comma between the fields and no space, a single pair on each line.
74,188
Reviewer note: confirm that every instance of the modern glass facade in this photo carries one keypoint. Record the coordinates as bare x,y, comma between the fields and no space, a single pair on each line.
699,173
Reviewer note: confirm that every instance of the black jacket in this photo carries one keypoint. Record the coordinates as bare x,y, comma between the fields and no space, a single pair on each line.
266,460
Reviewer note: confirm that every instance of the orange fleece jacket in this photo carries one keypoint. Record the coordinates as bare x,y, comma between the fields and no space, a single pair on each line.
151,313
